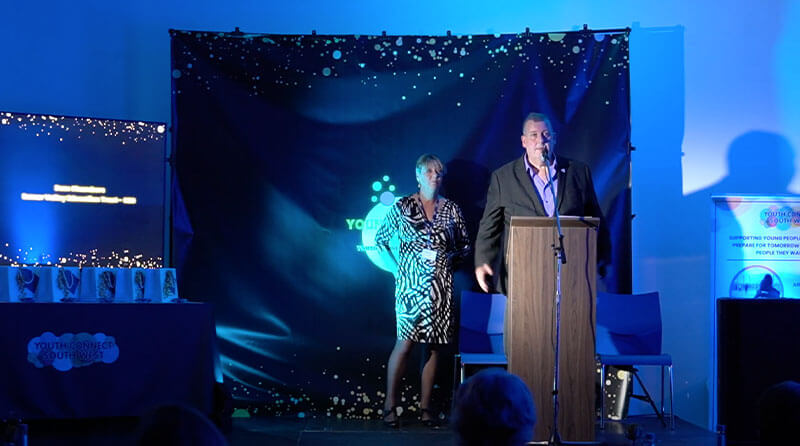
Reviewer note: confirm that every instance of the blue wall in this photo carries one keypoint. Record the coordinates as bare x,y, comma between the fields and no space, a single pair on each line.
701,76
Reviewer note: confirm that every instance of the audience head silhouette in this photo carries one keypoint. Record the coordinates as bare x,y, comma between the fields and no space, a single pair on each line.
493,407
779,414
178,425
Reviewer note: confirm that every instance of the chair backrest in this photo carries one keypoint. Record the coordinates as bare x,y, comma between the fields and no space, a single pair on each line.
481,326
628,324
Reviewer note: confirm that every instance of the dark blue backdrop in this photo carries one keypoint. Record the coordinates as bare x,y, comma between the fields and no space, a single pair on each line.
285,143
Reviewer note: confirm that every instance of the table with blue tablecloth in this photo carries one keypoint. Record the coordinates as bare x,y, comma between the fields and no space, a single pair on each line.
81,360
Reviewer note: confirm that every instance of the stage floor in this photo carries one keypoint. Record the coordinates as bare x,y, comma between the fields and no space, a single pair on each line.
281,431
323,431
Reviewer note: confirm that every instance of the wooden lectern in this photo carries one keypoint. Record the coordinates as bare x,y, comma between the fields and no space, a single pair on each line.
531,326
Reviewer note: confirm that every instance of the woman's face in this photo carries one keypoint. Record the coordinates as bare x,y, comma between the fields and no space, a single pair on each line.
429,177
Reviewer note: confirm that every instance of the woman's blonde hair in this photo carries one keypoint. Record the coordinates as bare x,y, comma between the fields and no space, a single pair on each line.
427,159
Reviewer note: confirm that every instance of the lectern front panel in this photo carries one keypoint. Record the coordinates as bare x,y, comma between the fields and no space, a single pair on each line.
531,320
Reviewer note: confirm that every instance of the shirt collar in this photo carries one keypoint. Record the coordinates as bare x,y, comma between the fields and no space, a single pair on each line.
532,170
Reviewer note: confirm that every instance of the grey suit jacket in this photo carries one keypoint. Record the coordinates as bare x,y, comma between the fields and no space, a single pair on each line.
511,193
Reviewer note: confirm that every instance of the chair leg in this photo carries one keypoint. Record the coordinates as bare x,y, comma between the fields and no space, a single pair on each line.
662,389
602,396
456,362
671,407
650,398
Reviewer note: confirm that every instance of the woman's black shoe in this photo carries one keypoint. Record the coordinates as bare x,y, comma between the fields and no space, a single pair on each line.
432,422
391,417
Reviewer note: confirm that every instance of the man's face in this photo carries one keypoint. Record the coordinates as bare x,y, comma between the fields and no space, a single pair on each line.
537,137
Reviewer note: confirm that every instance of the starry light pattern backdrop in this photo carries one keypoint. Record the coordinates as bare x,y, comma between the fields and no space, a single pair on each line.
289,148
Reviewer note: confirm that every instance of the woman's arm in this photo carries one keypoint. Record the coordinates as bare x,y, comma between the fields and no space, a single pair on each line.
388,229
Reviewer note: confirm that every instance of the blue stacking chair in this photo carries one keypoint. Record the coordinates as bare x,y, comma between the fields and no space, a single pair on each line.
629,335
480,337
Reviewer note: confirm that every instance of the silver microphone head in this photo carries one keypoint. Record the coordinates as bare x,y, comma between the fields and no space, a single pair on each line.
545,155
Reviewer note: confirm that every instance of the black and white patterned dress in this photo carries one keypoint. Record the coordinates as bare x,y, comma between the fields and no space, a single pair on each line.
424,288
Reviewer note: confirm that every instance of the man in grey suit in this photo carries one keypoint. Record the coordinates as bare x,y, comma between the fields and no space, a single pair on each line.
521,188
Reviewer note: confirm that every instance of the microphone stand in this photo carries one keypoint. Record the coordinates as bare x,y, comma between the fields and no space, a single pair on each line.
561,259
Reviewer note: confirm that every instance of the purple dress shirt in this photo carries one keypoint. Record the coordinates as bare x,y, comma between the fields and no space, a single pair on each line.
543,187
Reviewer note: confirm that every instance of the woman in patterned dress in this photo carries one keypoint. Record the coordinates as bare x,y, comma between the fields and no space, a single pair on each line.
433,236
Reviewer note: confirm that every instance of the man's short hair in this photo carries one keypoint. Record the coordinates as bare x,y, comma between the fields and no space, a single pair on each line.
493,407
537,117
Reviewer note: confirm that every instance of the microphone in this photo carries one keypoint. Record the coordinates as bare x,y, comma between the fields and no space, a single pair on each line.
546,156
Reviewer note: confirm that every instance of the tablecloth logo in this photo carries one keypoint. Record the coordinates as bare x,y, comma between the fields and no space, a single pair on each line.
71,350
